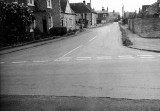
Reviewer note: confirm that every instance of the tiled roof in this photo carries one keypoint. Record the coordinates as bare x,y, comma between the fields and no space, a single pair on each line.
153,9
63,5
79,8
99,12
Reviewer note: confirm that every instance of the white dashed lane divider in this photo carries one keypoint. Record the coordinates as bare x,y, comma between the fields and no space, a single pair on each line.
19,62
92,39
146,56
83,58
63,59
2,62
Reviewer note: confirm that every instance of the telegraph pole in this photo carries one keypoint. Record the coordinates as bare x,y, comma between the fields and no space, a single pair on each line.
91,11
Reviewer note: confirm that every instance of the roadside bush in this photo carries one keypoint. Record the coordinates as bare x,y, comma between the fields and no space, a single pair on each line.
58,31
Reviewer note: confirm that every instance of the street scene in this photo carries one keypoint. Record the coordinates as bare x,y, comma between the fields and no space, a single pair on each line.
106,60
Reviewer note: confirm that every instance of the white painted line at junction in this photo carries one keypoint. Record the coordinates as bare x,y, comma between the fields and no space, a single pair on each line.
42,61
104,57
83,58
144,55
92,39
2,62
147,57
19,62
72,50
63,59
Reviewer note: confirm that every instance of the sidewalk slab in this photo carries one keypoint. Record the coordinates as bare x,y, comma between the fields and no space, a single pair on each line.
147,44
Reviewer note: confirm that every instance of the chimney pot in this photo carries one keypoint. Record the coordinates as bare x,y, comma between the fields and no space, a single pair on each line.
84,1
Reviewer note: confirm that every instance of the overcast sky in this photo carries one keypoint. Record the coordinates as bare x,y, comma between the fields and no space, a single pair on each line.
129,5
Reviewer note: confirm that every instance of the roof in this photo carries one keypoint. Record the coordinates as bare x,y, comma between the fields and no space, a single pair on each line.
113,13
63,5
153,9
80,8
144,7
101,12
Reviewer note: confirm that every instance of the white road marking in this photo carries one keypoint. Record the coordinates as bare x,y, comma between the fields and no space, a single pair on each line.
63,59
2,62
144,55
147,57
83,58
19,62
104,57
72,50
40,61
159,55
92,39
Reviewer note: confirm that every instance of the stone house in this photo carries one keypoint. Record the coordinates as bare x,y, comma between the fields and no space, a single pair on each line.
153,10
102,16
85,15
68,16
49,13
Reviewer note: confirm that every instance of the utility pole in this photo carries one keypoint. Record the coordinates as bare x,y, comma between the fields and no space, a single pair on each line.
91,11
122,11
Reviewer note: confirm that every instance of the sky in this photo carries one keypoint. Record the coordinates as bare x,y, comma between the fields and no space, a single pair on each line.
129,5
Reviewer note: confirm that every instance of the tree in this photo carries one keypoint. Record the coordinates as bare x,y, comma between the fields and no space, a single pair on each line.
14,19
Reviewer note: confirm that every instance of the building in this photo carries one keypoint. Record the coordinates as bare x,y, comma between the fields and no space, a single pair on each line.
49,13
102,16
153,10
68,16
85,15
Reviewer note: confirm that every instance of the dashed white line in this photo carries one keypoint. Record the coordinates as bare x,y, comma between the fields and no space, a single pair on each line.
92,39
72,50
2,62
151,57
19,62
83,58
144,55
63,59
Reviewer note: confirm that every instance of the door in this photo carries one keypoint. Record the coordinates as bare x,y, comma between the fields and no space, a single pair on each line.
44,25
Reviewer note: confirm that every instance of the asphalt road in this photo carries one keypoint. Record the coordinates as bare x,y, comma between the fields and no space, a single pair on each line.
91,64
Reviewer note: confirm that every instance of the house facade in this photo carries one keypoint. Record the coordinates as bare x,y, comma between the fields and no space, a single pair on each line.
102,16
68,16
85,16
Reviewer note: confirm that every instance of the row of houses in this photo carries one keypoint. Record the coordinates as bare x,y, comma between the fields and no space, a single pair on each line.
147,11
61,13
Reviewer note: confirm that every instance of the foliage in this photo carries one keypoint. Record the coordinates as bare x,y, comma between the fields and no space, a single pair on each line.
14,19
58,31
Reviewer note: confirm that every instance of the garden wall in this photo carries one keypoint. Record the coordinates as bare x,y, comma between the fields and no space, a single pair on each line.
147,27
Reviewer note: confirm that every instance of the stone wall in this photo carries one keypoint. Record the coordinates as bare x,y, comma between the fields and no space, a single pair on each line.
147,27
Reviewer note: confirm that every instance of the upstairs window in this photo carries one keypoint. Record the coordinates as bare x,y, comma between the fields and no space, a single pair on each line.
30,2
104,15
49,4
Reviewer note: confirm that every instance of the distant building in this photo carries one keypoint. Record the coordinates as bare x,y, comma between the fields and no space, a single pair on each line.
102,16
85,15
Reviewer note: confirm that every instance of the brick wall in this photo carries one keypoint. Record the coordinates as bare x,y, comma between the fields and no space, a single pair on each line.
148,27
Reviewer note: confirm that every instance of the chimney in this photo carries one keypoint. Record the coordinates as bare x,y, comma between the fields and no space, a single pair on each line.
113,11
89,5
103,9
84,1
107,9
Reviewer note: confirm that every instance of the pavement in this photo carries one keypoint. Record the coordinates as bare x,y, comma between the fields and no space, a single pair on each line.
91,64
141,43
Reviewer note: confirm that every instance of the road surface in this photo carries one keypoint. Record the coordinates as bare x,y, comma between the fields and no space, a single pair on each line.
91,64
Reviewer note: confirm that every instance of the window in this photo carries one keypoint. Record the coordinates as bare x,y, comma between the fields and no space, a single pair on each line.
50,22
49,4
104,15
30,2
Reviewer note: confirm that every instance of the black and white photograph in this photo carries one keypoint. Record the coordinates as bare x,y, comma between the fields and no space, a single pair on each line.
80,55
